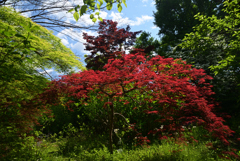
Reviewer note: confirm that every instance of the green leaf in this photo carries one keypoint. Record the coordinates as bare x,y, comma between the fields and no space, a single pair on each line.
76,16
29,24
35,28
92,4
83,10
28,75
94,20
33,38
119,8
32,49
91,16
92,8
101,2
76,104
25,27
6,33
71,10
97,13
29,60
11,32
124,2
98,6
127,119
100,19
109,6
76,8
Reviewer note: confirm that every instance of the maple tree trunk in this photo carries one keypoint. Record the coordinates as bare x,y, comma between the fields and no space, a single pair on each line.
111,127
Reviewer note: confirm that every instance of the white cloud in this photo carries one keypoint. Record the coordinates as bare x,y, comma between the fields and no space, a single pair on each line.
103,14
154,27
144,1
153,2
65,42
79,45
25,14
63,33
142,20
126,21
49,71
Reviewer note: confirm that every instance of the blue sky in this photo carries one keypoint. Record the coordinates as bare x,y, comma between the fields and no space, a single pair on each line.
138,15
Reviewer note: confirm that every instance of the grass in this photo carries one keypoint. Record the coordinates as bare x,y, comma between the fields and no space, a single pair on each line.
77,147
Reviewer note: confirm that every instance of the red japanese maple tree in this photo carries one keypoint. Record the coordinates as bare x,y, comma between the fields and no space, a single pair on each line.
110,40
169,80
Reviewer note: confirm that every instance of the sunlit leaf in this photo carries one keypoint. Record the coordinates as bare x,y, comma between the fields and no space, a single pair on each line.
94,20
101,2
71,10
98,6
119,7
124,2
109,6
100,19
76,16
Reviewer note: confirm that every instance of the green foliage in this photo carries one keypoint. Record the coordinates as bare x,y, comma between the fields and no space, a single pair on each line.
175,18
62,117
25,46
92,4
151,46
214,46
78,146
14,147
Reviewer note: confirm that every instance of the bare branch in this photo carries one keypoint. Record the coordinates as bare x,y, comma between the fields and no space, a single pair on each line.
45,13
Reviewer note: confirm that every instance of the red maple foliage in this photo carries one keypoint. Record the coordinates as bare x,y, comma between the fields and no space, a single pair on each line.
110,40
169,80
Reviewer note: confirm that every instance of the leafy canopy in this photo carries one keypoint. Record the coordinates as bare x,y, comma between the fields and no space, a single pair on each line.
175,18
214,46
26,46
105,45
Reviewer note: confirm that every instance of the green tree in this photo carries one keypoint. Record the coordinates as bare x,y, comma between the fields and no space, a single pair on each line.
32,47
214,46
24,47
150,45
175,18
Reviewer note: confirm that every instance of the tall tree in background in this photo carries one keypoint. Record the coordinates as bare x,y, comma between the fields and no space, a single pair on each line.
46,13
150,45
175,18
214,46
104,46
